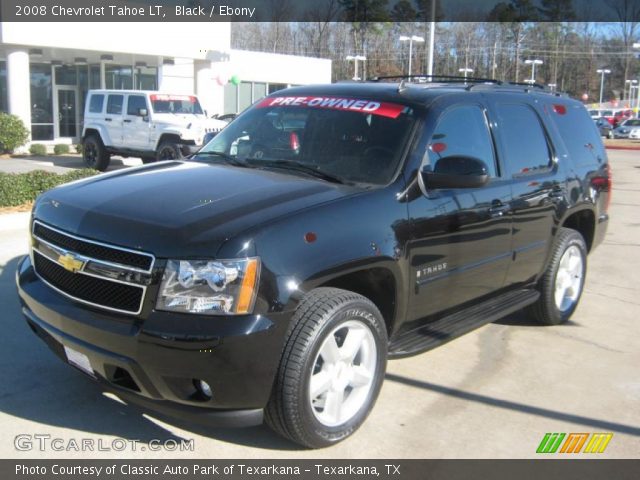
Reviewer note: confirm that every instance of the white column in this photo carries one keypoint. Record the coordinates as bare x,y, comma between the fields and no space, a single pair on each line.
206,87
18,85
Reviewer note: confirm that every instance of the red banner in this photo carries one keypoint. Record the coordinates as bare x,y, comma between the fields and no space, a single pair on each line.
384,109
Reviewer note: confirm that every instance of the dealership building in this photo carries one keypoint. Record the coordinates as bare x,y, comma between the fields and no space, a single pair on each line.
46,69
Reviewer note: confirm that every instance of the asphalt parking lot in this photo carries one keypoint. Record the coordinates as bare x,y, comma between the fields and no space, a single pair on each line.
493,393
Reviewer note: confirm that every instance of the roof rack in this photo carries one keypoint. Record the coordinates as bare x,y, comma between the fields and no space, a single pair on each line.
448,78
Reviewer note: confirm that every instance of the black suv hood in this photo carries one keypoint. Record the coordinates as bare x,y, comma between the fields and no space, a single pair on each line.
183,209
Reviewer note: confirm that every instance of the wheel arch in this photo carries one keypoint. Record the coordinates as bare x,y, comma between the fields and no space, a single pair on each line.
584,222
380,283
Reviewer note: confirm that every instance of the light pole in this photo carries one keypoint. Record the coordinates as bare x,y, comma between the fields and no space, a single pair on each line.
533,64
602,72
355,59
631,84
411,39
465,71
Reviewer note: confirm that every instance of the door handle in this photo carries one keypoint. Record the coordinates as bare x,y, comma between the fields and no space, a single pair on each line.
107,119
498,209
126,120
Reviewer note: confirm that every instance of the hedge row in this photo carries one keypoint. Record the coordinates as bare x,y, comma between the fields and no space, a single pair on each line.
20,188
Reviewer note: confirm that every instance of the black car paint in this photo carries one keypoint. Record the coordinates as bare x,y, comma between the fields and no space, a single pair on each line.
193,210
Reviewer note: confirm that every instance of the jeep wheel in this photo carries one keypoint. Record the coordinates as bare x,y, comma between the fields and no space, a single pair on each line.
562,283
168,151
331,370
94,154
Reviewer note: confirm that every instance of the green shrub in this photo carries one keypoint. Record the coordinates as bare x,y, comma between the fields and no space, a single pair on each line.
13,133
19,188
78,148
38,149
61,149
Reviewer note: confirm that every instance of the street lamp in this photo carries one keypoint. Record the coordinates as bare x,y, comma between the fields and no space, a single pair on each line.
411,39
533,64
465,71
602,72
355,59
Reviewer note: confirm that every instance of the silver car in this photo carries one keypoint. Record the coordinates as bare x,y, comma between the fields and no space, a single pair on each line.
628,129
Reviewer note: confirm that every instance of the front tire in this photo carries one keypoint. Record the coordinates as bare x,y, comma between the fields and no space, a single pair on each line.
331,370
562,283
168,151
94,155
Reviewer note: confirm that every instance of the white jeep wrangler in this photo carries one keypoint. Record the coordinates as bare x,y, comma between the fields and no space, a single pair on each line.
146,124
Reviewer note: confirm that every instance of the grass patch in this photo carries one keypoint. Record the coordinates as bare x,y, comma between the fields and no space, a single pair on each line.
17,189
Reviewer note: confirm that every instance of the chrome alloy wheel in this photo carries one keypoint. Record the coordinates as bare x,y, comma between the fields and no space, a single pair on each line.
342,374
569,278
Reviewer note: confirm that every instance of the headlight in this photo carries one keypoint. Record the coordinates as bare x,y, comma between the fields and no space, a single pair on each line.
222,287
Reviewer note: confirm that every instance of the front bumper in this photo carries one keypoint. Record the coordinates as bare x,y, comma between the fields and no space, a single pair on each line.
154,361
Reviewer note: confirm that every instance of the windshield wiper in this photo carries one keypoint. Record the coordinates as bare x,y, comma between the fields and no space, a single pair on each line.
298,167
227,158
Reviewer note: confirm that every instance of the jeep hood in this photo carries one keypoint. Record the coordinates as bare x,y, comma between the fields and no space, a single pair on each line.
179,209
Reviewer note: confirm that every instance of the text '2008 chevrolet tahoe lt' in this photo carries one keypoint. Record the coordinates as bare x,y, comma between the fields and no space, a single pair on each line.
324,230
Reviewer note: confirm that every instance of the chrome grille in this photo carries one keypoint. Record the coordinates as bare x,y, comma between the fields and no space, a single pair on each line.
91,272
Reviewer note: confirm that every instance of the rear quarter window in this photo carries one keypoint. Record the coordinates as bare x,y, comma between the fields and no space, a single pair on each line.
578,132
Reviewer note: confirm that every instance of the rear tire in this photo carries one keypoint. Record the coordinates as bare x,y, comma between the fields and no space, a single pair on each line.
331,370
562,283
94,154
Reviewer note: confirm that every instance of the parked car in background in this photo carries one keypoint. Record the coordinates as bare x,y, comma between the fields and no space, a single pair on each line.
604,127
150,125
608,114
628,129
620,116
595,114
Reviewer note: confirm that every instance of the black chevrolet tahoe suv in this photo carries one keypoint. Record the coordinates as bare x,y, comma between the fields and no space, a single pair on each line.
326,229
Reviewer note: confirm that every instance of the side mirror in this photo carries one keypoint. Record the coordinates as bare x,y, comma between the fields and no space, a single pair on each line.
143,112
456,172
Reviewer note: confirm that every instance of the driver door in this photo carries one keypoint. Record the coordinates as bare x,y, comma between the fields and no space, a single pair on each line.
461,246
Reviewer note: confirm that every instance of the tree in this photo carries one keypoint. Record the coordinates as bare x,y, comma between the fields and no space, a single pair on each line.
557,10
403,11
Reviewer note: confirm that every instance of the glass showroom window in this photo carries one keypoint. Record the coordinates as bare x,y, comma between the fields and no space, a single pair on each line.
146,78
4,107
41,102
118,77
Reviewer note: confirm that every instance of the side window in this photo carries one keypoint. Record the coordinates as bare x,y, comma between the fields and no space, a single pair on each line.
135,103
578,131
524,140
95,104
463,131
114,104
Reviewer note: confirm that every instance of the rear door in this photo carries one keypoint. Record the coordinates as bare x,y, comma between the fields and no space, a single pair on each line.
536,178
136,129
113,118
460,249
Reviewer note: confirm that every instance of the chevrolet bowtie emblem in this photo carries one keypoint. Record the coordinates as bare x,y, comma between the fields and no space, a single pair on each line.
70,263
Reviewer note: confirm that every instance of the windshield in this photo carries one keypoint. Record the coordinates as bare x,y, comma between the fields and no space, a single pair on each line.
632,123
162,103
349,140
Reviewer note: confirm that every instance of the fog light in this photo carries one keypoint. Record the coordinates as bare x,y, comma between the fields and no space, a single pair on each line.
205,388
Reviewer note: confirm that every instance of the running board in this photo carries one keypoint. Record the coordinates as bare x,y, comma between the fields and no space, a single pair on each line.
441,331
